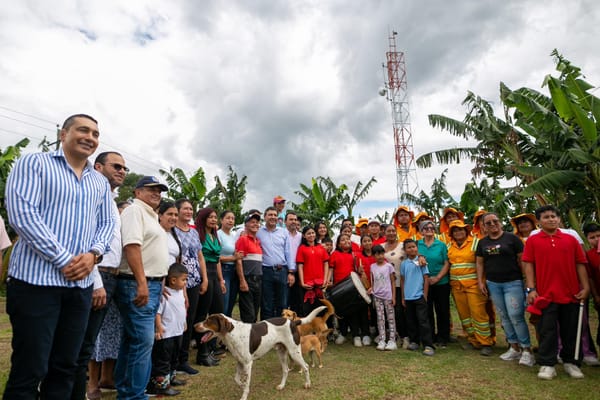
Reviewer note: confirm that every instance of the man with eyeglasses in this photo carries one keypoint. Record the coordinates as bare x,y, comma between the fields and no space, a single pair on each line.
112,165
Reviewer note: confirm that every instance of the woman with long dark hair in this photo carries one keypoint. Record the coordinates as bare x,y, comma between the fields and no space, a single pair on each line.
313,268
212,300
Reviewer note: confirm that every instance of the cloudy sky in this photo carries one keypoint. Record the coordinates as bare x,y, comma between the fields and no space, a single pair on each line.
281,90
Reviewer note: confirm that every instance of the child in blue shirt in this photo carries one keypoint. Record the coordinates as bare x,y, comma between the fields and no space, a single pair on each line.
415,287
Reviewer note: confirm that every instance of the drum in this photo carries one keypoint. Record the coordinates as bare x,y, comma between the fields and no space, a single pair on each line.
348,294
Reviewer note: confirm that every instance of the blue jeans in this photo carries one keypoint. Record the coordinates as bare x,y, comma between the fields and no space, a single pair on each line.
48,327
232,283
274,292
509,299
134,364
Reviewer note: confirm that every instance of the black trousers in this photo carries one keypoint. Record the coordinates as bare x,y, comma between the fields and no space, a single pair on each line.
249,302
165,356
209,302
417,320
48,324
438,303
566,316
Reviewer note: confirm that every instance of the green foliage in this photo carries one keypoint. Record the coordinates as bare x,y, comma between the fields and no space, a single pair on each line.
180,186
435,202
321,201
128,186
8,156
229,196
349,201
544,150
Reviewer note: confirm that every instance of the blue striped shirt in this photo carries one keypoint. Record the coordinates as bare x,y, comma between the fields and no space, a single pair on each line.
57,216
276,247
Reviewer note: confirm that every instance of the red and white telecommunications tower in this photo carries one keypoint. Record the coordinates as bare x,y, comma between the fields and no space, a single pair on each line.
395,91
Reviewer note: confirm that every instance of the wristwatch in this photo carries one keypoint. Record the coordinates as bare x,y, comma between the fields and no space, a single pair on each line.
97,256
529,290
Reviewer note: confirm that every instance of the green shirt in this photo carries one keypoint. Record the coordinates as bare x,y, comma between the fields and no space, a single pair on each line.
436,255
211,249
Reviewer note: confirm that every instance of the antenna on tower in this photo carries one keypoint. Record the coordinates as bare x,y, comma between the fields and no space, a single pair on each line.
395,91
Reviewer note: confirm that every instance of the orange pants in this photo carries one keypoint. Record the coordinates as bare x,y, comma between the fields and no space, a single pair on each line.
471,307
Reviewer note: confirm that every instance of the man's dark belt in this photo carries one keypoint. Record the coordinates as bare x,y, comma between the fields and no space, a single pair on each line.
109,270
132,278
277,267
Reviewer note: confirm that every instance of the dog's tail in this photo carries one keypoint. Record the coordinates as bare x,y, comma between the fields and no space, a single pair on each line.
330,309
308,319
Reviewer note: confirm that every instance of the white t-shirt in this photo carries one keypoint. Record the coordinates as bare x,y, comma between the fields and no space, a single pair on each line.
172,311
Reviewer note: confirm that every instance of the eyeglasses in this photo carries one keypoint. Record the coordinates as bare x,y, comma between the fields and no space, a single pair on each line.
428,228
492,223
119,167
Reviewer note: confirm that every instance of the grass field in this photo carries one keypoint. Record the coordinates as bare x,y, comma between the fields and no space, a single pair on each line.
365,373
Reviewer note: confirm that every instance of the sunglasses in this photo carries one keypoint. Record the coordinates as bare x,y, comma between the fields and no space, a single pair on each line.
119,167
429,228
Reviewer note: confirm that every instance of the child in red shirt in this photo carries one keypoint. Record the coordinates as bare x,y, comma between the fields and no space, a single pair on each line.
312,265
557,281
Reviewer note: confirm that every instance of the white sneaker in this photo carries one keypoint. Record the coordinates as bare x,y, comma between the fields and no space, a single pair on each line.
591,361
573,370
381,345
366,340
340,339
510,355
391,345
357,341
527,359
405,343
546,372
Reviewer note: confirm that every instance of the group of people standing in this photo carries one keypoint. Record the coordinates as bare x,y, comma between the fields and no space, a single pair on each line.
164,269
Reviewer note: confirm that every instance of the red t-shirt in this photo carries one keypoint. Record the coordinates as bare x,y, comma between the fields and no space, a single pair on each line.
366,262
312,259
555,258
342,264
593,267
379,240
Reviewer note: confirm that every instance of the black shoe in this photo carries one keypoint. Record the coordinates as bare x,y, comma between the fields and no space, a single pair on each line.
177,382
187,369
162,392
207,361
219,351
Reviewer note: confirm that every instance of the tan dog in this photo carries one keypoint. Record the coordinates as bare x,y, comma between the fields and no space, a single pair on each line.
317,325
315,345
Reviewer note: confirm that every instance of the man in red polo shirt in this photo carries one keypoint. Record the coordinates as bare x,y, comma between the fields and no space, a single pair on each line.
557,281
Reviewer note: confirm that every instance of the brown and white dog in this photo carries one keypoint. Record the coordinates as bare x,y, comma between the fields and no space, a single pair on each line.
249,342
317,325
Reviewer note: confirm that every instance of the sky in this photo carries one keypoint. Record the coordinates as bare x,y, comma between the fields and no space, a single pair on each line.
282,91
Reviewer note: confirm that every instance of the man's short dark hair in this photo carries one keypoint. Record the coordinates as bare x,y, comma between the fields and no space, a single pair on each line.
549,207
71,120
101,158
290,213
270,208
590,228
176,270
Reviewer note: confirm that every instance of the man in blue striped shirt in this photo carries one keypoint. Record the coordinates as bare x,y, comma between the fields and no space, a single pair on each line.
61,209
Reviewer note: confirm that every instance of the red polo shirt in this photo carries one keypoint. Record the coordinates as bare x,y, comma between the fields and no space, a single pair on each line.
342,264
313,259
555,258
